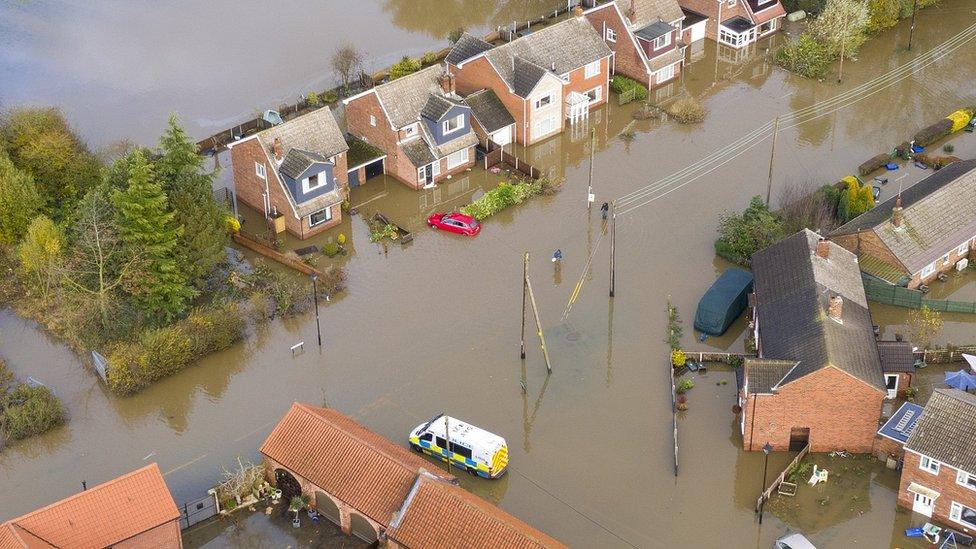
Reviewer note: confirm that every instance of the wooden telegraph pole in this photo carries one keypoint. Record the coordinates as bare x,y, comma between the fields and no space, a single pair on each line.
538,321
911,31
525,279
589,188
613,245
772,154
843,42
447,438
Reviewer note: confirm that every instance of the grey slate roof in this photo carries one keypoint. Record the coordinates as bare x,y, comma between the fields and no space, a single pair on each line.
764,374
436,107
316,132
643,12
567,46
792,286
466,47
320,202
489,110
946,431
418,151
738,24
896,357
404,98
296,161
653,30
938,216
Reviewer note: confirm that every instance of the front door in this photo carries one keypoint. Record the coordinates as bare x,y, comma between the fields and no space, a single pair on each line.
891,384
799,438
923,505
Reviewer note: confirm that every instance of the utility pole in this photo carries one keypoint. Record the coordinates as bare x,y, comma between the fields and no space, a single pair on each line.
447,438
589,188
843,42
613,245
911,31
538,324
525,279
315,297
772,154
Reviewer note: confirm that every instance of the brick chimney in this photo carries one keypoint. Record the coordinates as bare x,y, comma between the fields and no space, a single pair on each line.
897,216
448,83
279,153
835,308
578,11
823,248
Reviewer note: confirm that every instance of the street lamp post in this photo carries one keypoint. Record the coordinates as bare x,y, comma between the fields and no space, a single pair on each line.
315,297
762,502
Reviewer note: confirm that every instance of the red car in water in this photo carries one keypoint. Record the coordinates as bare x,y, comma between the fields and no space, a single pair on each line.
455,223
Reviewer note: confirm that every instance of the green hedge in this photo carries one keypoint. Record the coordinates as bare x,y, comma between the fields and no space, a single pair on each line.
805,56
504,195
621,84
29,411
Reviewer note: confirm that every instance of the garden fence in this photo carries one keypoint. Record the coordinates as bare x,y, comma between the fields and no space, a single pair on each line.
198,510
626,96
913,299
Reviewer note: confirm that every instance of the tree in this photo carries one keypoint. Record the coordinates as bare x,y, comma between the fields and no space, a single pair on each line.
855,200
925,325
147,227
455,35
841,27
40,252
403,67
743,235
882,14
19,200
189,189
805,56
345,61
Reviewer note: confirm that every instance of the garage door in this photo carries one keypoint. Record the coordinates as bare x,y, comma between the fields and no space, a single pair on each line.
353,178
502,137
374,169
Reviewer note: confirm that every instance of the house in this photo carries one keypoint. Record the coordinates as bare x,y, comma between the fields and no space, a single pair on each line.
421,124
645,37
938,478
897,366
135,510
817,379
492,121
893,435
929,228
738,23
294,173
380,491
552,75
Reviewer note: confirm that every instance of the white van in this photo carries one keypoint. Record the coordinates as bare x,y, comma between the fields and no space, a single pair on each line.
475,450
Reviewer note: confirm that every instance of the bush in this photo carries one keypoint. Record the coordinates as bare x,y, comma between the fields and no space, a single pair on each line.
678,358
743,235
684,385
331,249
875,163
882,14
428,59
805,56
504,195
30,411
841,27
960,119
329,96
312,99
948,148
455,35
854,201
621,84
403,67
687,110
933,133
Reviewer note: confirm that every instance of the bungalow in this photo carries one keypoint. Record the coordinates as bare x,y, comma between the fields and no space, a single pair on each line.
421,124
738,23
294,173
928,229
645,36
555,74
134,510
380,491
818,377
938,479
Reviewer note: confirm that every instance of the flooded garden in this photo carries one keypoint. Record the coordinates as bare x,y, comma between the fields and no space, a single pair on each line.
433,325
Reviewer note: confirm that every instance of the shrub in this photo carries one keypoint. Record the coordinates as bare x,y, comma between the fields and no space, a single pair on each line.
873,164
840,27
504,195
854,201
621,84
403,67
735,361
455,35
882,14
684,385
805,56
428,59
341,239
329,96
743,235
30,411
687,110
960,119
681,406
933,133
948,148
312,99
678,358
331,249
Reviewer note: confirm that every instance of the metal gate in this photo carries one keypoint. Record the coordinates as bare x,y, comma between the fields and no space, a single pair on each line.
198,510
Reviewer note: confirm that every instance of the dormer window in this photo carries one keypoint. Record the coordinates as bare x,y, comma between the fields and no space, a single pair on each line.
312,182
452,125
662,41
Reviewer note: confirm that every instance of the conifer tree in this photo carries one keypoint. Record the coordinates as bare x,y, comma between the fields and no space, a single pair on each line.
19,201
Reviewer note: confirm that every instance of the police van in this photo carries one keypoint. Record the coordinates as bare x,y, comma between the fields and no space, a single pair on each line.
475,450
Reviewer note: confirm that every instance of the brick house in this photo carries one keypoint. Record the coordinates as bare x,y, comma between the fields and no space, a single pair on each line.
380,491
738,23
295,171
938,478
133,511
555,74
421,124
893,435
491,120
817,379
928,229
645,37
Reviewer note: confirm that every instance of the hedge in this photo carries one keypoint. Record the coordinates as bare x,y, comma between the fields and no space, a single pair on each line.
621,84
30,411
875,163
933,133
504,195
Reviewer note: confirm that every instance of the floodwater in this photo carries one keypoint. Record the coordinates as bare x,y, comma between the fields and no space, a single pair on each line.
434,325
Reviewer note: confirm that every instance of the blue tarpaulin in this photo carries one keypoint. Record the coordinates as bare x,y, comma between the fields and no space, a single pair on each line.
723,302
960,380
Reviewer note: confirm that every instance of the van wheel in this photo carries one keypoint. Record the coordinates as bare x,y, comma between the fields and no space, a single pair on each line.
416,449
472,472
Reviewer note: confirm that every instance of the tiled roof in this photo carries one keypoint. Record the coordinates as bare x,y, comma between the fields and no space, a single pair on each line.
358,466
98,517
643,12
764,374
896,356
765,10
466,47
792,287
938,216
436,107
653,30
418,152
670,58
560,48
947,430
442,515
692,17
488,109
900,426
404,98
296,161
316,131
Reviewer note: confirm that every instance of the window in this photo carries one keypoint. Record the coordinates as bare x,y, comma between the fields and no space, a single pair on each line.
595,94
963,515
611,35
456,159
427,436
665,74
945,259
544,127
320,217
312,182
768,26
441,443
410,132
592,69
965,479
543,101
730,3
435,168
661,41
372,121
452,125
928,269
929,464
461,450
260,170
963,248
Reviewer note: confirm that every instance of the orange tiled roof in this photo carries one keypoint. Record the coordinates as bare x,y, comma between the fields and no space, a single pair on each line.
443,515
365,470
99,517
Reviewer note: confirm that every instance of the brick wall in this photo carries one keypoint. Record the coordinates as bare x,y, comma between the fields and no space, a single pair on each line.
944,483
841,411
479,74
884,447
579,83
871,244
627,59
381,136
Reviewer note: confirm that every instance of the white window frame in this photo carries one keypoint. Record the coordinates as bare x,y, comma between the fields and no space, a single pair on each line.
965,479
261,170
611,35
963,249
306,183
945,260
955,514
446,125
663,75
411,131
457,158
662,41
539,102
372,120
328,217
435,168
537,127
598,95
730,3
929,465
592,69
927,270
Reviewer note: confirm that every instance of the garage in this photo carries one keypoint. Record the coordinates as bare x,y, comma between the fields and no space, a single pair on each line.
360,174
694,26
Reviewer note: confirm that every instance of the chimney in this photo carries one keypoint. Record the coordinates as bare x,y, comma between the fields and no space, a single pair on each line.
448,83
835,308
896,214
823,248
578,11
278,152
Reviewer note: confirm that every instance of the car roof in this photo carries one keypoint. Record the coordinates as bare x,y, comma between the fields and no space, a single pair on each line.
462,217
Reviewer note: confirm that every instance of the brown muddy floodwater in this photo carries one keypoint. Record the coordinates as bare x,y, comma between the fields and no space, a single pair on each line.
434,326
